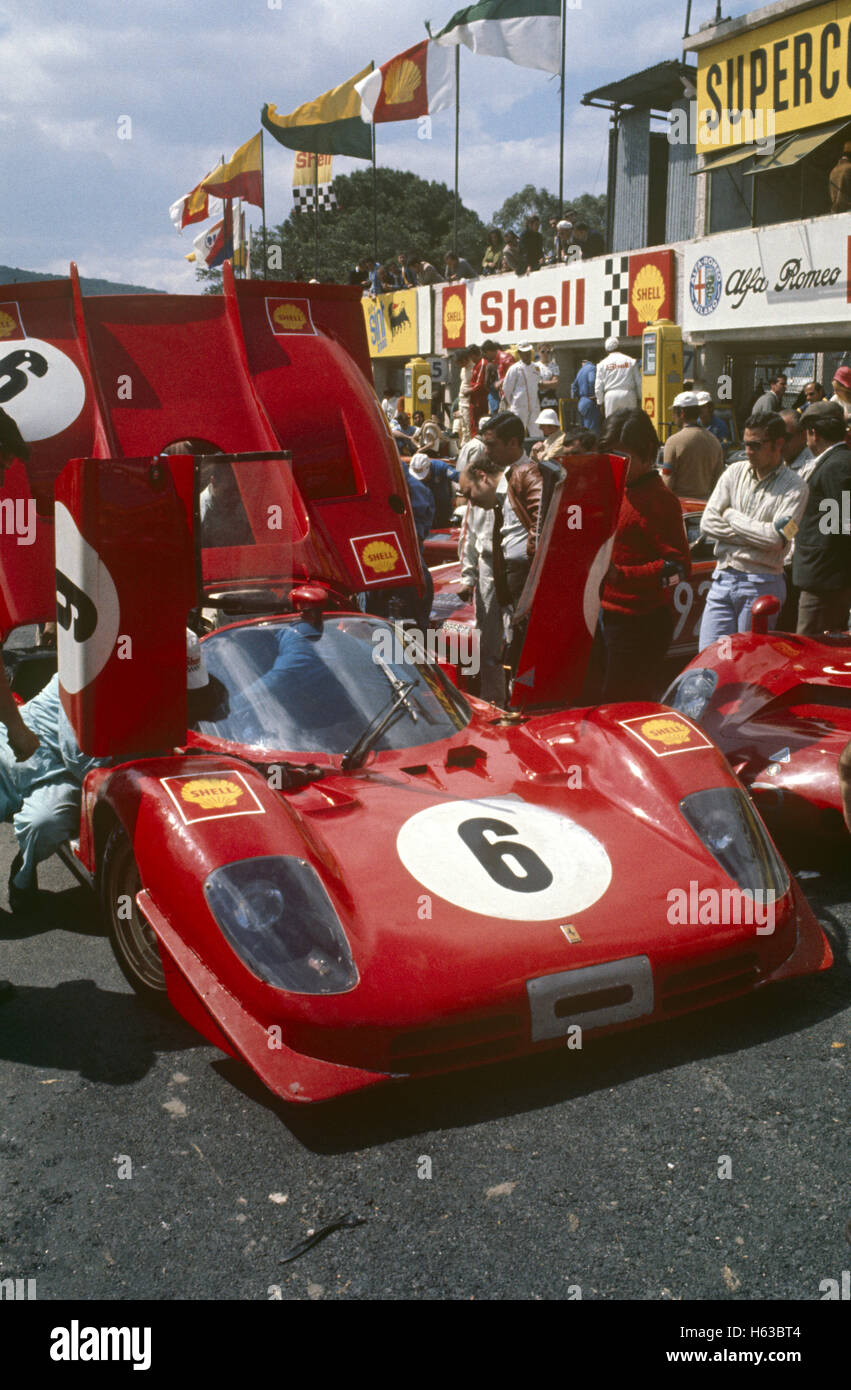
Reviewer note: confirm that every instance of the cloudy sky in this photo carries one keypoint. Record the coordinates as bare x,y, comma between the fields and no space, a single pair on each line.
192,78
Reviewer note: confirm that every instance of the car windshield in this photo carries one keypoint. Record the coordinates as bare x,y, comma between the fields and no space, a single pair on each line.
291,686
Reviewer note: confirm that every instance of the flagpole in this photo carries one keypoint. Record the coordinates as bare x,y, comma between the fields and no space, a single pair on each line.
316,213
457,126
263,203
374,202
561,132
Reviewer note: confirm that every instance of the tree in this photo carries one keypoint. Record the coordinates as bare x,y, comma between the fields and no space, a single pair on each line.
414,215
587,207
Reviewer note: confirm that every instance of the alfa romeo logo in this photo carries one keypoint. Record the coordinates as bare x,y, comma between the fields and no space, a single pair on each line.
705,284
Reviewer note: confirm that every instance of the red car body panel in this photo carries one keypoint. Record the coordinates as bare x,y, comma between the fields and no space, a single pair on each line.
781,712
492,885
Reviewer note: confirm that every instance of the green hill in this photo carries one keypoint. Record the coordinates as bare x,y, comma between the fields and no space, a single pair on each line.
12,275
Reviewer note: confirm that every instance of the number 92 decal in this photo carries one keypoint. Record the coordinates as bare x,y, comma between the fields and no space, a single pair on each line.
503,858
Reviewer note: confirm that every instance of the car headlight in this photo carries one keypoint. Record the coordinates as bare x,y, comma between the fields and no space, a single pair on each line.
691,693
724,819
278,918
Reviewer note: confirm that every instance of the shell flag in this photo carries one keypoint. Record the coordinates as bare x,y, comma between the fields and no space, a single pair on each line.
415,83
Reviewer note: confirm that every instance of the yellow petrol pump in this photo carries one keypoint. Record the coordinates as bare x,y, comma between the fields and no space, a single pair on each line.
661,372
418,386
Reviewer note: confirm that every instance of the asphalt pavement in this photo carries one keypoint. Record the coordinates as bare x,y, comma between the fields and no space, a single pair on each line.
707,1158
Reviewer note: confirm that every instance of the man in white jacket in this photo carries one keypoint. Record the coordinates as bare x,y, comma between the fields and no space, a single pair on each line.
477,577
520,390
618,383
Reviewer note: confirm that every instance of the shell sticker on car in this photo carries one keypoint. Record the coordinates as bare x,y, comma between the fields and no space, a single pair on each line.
287,316
42,389
665,734
380,557
504,858
212,796
87,608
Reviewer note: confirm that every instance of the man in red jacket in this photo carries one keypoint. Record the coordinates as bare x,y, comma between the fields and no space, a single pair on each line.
650,555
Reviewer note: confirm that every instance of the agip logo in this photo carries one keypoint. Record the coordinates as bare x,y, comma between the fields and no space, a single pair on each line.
705,285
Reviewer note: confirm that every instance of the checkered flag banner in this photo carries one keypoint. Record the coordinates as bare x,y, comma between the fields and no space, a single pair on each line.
303,198
616,297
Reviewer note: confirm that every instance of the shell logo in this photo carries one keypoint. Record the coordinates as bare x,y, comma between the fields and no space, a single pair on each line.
402,80
289,316
212,793
380,556
453,315
668,731
648,293
7,325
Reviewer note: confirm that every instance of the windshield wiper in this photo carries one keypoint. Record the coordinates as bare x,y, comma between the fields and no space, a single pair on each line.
398,685
355,756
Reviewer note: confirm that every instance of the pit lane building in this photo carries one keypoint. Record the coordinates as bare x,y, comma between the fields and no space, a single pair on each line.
719,215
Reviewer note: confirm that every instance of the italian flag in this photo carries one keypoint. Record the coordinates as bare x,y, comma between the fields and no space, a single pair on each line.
527,32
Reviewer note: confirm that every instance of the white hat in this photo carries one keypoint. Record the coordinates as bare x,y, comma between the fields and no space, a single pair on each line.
197,675
560,226
484,422
612,344
703,398
524,347
548,417
686,400
420,466
431,434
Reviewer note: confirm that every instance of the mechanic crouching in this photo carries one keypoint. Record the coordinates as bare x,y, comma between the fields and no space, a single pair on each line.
43,795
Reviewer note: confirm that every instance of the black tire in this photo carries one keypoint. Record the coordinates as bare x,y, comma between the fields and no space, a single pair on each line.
133,941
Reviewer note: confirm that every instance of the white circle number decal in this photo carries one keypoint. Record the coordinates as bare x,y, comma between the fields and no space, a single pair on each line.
87,609
40,387
503,858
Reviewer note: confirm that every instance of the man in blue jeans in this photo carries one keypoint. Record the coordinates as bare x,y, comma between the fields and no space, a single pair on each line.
752,516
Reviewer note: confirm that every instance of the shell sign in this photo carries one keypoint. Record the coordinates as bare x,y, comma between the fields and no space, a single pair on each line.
380,557
665,734
454,316
212,796
288,316
651,284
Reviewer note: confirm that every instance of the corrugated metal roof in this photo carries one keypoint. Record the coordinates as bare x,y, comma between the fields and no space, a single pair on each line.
658,87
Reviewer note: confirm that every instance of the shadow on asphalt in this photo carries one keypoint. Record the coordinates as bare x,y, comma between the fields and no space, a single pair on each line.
78,1027
70,910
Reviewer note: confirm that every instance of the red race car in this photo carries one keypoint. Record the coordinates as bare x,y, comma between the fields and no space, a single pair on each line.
779,706
543,873
453,614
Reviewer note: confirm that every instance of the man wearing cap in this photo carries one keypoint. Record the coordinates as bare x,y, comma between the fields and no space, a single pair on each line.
520,389
821,568
840,181
710,420
693,459
565,250
438,476
618,381
583,391
842,391
549,425
752,516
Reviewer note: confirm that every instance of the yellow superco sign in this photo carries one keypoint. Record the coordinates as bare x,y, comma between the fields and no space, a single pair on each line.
784,77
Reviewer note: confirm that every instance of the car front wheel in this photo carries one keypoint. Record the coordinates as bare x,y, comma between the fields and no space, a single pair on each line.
133,940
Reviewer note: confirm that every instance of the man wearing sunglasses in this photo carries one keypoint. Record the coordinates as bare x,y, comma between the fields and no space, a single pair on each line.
752,516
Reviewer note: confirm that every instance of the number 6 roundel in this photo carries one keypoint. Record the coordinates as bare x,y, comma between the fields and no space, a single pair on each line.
504,858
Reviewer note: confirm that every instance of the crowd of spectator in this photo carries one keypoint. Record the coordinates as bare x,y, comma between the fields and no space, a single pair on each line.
505,253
